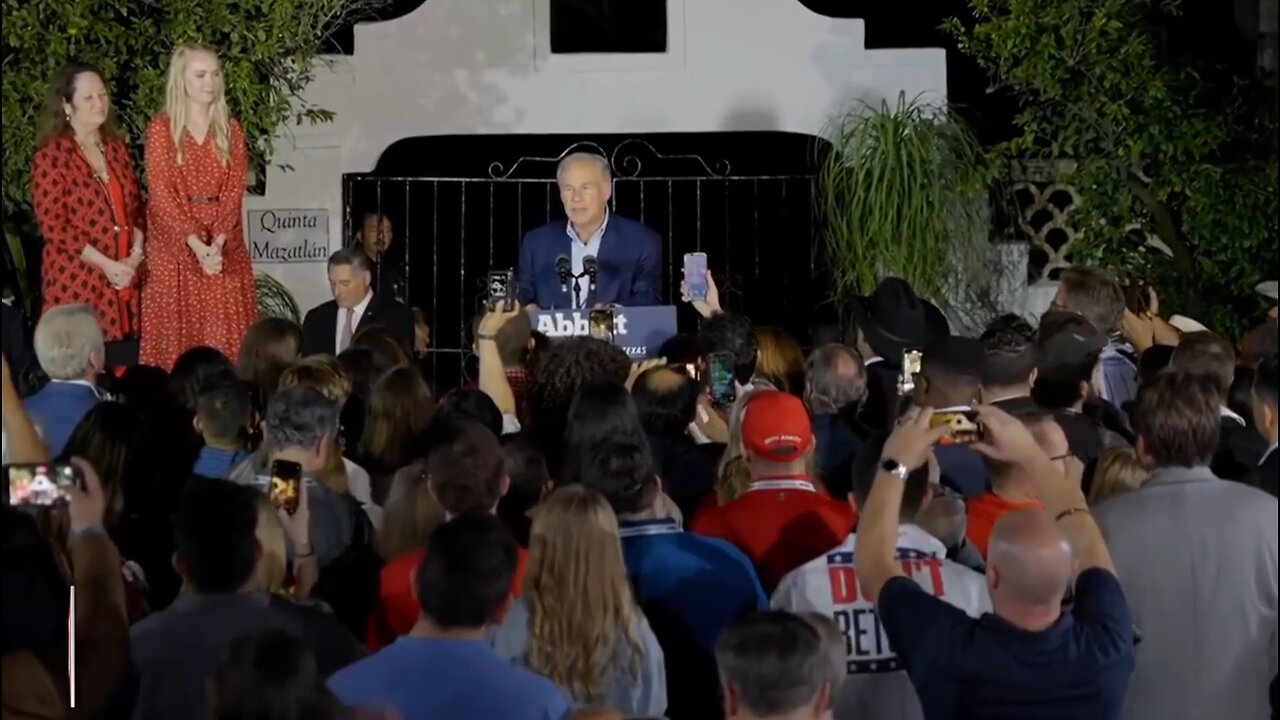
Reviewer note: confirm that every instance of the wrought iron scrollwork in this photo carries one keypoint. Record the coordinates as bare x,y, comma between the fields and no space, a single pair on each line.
629,164
627,160
498,172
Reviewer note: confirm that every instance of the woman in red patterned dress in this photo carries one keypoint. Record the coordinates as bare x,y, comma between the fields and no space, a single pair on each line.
200,290
89,208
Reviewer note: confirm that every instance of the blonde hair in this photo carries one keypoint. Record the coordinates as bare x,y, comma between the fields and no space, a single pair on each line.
580,601
1119,471
732,476
780,360
176,104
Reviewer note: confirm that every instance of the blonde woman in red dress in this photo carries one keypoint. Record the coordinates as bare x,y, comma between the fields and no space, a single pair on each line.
89,208
200,288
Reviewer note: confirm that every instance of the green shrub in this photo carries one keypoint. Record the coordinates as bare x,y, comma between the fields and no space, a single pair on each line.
1156,146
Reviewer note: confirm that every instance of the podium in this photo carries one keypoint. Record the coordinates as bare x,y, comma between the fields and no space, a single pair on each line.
640,331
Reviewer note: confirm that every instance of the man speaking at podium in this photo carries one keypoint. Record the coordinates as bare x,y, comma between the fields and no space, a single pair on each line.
614,261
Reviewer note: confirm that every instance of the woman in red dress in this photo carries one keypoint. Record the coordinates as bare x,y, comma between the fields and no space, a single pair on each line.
200,290
89,208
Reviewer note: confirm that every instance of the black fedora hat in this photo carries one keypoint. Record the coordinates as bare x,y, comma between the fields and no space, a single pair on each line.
893,319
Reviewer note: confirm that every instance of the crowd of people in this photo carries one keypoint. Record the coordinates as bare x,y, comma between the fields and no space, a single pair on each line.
576,535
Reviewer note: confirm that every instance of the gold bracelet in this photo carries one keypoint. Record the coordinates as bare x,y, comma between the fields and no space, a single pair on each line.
1069,513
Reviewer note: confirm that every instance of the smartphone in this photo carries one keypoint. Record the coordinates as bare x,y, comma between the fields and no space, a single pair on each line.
600,324
42,484
720,378
912,362
286,485
695,276
965,426
499,285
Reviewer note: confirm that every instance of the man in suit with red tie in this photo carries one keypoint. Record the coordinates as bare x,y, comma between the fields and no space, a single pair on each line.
330,327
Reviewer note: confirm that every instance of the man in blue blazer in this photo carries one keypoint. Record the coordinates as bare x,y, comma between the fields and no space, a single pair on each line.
69,346
628,255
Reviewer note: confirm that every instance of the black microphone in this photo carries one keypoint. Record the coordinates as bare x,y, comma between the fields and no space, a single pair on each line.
590,267
564,268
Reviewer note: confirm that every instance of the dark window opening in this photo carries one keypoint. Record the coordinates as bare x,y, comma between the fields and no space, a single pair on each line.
608,26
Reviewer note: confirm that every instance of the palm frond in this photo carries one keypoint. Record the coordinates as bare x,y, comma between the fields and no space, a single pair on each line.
274,299
902,192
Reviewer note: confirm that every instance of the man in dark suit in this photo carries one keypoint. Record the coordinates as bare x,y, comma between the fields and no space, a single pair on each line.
891,320
628,255
329,327
1266,418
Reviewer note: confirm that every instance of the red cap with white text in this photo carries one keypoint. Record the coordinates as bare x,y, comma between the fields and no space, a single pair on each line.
775,426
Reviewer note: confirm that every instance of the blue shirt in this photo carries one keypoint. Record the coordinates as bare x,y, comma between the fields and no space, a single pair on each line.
578,253
704,582
1119,377
217,463
427,678
986,668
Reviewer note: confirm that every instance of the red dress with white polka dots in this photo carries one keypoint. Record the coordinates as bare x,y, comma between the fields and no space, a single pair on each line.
181,306
75,209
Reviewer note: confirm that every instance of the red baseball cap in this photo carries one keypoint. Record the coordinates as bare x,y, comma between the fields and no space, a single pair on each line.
775,426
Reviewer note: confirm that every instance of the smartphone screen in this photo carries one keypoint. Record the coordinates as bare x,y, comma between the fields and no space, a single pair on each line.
600,324
42,484
720,380
499,286
286,485
964,426
695,276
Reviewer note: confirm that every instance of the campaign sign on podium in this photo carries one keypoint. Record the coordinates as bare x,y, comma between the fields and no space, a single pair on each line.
640,331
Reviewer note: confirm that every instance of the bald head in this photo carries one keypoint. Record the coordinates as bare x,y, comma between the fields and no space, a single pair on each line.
1028,560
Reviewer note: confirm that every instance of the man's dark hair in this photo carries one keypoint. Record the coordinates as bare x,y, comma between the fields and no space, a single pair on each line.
1154,360
215,531
465,577
1009,351
1177,418
1265,382
512,338
464,467
866,465
774,661
1203,353
224,406
666,401
528,479
734,334
1095,294
471,404
1069,349
565,367
622,471
353,256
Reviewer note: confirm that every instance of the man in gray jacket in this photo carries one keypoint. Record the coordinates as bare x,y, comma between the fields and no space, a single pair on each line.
1197,557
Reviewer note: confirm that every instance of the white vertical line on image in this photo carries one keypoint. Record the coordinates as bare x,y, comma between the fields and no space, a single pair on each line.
71,647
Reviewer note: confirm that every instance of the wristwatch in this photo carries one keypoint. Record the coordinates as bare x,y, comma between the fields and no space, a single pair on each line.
895,468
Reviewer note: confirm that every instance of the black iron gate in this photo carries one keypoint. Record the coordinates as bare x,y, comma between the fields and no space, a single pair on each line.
759,232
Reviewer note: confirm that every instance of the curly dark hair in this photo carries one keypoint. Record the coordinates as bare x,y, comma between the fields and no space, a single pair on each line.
1009,347
567,365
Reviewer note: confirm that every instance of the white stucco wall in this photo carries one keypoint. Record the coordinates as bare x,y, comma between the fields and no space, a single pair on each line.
484,67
